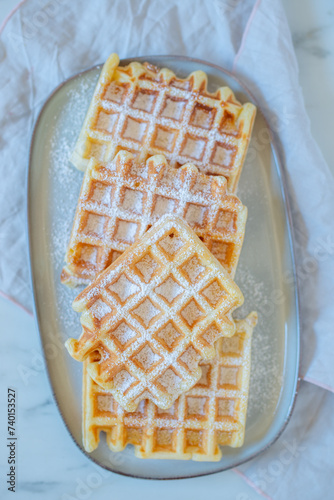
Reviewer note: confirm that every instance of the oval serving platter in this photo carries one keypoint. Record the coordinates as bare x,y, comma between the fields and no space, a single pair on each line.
266,273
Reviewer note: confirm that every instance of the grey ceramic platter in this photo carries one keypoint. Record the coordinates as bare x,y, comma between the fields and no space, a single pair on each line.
266,273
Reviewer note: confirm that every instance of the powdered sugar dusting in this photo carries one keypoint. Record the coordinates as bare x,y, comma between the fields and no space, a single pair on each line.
95,224
193,269
133,200
266,372
123,380
65,183
167,296
171,244
123,288
105,402
65,186
124,333
169,334
170,380
147,357
226,407
146,311
170,289
100,309
214,292
190,358
192,313
228,375
196,406
146,266
126,231
139,194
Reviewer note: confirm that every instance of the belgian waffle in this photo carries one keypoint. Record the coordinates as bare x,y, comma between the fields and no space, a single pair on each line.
212,413
153,314
148,111
120,201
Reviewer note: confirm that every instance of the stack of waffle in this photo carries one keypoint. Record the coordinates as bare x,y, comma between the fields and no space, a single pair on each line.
157,236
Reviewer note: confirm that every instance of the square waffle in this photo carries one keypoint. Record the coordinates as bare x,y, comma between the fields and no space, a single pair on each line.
153,314
119,202
210,414
148,111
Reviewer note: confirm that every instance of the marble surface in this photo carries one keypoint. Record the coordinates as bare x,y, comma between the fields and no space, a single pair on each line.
49,464
312,27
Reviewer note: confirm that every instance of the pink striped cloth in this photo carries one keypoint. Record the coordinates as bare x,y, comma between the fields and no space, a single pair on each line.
44,42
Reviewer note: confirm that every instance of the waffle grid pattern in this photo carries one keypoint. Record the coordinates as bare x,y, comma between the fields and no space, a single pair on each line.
210,414
148,111
168,284
119,202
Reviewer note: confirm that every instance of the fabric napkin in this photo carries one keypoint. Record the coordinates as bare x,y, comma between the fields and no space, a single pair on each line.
46,41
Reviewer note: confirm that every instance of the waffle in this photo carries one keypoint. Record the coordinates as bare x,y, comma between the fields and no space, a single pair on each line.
148,111
120,201
153,314
212,413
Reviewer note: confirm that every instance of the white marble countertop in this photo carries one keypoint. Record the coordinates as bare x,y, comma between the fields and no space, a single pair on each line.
312,27
49,465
